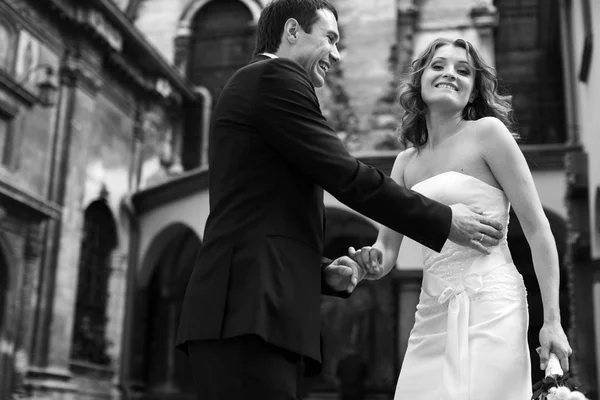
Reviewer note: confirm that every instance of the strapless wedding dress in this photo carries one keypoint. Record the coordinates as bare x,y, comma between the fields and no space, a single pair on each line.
469,341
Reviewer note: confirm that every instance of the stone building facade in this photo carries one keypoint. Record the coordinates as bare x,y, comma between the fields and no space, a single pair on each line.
379,40
103,195
113,125
581,20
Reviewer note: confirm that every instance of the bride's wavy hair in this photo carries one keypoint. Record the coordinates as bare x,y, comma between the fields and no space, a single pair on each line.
487,103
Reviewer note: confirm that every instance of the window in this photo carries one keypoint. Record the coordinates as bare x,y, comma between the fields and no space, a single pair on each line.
4,138
7,46
528,61
98,242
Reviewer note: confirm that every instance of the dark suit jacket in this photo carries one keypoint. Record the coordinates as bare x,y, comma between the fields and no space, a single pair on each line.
271,155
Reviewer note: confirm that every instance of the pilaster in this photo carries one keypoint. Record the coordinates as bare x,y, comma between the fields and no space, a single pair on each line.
580,270
51,342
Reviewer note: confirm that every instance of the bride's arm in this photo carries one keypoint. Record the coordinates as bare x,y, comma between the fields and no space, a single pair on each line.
388,241
508,165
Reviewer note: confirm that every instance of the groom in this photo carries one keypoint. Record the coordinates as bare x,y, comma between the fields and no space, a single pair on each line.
251,308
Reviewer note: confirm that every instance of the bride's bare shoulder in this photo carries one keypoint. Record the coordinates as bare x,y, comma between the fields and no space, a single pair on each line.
402,160
406,155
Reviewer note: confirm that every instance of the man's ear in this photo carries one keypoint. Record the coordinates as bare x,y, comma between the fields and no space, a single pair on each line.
290,30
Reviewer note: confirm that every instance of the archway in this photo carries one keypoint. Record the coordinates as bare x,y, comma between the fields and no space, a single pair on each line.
521,253
223,40
365,323
4,278
162,369
99,239
7,265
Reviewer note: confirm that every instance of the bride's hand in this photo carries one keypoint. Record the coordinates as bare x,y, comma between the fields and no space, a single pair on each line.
554,340
370,260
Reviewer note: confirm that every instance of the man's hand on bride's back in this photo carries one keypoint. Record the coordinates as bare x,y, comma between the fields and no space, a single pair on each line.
470,228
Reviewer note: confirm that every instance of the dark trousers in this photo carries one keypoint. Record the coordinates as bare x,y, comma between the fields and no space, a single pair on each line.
243,367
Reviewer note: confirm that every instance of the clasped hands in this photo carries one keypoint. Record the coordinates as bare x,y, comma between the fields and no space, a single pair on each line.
345,272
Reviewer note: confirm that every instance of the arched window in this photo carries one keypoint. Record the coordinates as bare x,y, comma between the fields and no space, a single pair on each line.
98,242
223,40
528,60
7,56
3,288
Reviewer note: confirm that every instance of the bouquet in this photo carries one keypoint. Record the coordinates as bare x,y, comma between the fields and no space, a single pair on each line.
556,385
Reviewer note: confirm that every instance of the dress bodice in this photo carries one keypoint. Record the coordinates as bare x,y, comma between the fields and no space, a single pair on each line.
453,187
462,268
471,305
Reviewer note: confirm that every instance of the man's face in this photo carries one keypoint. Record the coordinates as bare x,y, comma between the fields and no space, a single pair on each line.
317,51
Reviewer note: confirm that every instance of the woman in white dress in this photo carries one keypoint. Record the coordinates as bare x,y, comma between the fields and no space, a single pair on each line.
469,341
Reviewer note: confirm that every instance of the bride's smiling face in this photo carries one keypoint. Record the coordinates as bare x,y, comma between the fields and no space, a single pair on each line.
448,79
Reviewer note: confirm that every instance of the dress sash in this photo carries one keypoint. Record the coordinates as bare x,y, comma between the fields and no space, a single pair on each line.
456,371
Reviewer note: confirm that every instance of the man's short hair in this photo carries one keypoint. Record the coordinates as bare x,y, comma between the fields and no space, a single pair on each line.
277,12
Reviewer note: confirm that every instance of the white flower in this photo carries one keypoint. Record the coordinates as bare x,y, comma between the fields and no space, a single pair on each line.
577,396
561,393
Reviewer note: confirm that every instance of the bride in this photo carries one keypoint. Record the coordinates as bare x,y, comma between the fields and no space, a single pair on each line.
469,340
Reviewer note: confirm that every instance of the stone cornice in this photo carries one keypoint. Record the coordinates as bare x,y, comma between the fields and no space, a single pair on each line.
539,158
143,48
32,205
134,46
75,72
17,92
175,188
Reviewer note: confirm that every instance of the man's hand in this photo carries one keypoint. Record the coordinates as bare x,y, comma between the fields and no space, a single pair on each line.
370,260
343,274
469,228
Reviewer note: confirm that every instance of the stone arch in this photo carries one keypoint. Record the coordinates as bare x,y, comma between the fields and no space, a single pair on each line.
158,245
194,6
7,265
222,40
6,260
162,370
213,40
10,264
99,240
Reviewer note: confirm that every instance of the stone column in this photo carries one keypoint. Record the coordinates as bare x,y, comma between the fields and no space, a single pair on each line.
580,270
28,289
13,239
53,326
59,153
34,244
138,145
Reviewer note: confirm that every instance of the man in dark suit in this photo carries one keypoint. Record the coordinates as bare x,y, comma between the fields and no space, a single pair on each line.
251,308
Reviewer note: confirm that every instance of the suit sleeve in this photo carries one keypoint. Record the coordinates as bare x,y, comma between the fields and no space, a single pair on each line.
292,122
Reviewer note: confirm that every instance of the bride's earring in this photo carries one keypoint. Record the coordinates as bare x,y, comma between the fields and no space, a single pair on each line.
471,112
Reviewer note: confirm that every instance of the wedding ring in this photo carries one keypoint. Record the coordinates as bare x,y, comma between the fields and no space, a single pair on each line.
481,238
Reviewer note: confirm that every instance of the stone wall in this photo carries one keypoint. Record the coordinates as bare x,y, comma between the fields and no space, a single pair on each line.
91,143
